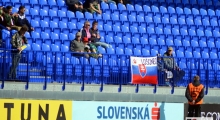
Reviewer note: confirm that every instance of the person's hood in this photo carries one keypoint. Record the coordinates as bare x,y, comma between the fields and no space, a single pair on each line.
196,83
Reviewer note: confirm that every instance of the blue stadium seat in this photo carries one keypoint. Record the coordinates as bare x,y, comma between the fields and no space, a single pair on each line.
211,42
133,29
45,47
63,26
130,7
109,39
123,18
27,35
213,55
157,18
45,36
113,7
198,20
128,51
202,42
173,19
135,40
203,11
154,52
148,18
144,39
53,15
104,6
180,54
79,15
36,47
52,3
175,30
121,7
161,40
119,51
43,13
110,51
142,29
214,21
186,41
194,42
43,3
159,29
138,8
169,40
189,20
192,30
208,32
44,24
115,16
179,10
101,50
155,9
196,54
61,3
211,12
70,15
126,40
171,10
167,29
62,15
178,40
153,40
187,11
140,18
163,9
55,48
216,32
25,2
200,31
184,30
132,18
165,19
71,36
145,52
195,11
205,21
182,20
137,52
34,12
147,8
35,35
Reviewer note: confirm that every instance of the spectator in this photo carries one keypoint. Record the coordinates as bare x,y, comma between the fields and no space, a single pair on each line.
22,20
108,1
77,45
171,65
95,36
94,6
18,42
194,94
166,75
75,5
85,31
9,19
1,15
90,48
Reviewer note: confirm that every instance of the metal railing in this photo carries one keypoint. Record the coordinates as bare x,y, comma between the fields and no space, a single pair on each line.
62,67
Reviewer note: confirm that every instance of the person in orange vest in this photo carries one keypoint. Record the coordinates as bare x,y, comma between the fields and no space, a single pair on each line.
194,94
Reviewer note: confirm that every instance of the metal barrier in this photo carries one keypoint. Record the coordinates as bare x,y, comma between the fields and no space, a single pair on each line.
62,67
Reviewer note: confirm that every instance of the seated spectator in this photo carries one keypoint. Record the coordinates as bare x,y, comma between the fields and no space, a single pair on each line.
108,1
171,65
95,36
94,6
90,48
9,19
85,31
77,45
1,15
75,5
22,20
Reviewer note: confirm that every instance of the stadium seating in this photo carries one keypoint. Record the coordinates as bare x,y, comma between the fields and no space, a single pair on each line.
142,29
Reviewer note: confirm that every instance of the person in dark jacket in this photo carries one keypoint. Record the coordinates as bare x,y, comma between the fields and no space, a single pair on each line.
94,6
18,42
22,20
75,5
95,36
194,94
85,31
171,65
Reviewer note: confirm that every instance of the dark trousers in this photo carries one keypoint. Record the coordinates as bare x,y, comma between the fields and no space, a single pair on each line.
15,61
194,111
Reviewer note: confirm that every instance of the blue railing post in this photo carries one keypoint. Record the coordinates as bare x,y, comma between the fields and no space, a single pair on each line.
45,81
207,79
4,69
102,79
64,75
155,89
27,78
137,88
83,78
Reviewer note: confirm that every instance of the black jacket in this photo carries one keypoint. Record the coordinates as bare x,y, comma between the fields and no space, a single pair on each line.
23,21
72,2
84,33
188,96
93,38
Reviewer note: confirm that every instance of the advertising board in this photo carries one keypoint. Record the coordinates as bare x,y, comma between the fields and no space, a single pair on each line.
35,110
83,110
207,110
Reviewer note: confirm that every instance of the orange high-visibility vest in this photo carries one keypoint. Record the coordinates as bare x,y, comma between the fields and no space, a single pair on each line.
194,93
